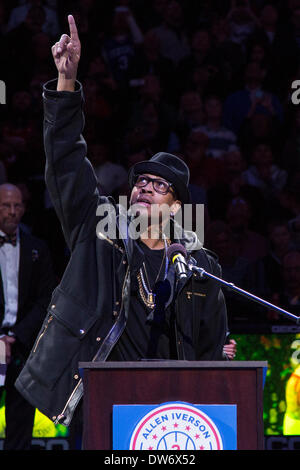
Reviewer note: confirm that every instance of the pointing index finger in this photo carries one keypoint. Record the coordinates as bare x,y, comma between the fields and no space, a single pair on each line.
73,28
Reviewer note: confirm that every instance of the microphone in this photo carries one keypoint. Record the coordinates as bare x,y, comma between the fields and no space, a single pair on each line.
176,254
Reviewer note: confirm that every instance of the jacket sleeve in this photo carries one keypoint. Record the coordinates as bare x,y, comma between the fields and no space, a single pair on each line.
70,178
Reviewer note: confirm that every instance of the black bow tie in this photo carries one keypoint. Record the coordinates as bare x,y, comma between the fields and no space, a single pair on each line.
8,239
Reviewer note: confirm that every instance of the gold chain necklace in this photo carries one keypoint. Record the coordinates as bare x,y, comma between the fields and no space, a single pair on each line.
147,296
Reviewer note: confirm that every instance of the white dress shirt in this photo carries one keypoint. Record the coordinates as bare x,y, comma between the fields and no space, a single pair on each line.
9,265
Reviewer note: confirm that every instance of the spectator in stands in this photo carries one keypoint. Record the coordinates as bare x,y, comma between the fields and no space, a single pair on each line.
18,44
291,202
242,21
202,55
151,14
19,14
220,138
234,166
174,43
119,45
289,295
190,113
260,127
251,99
230,55
150,107
19,122
263,173
277,29
27,282
149,60
290,158
206,172
268,272
249,244
40,54
221,241
268,22
111,174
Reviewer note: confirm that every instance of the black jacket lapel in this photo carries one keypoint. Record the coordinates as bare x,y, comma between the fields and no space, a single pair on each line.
25,266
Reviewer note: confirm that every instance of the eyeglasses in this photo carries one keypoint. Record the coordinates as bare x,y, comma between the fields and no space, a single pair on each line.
160,186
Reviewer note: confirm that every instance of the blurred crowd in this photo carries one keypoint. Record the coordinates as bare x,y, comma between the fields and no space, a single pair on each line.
208,80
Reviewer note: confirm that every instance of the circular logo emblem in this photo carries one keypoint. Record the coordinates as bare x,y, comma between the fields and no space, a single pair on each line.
176,426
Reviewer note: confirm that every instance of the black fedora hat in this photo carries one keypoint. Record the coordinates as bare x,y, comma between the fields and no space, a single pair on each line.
168,166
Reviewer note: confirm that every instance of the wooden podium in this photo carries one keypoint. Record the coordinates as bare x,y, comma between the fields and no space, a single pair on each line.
155,382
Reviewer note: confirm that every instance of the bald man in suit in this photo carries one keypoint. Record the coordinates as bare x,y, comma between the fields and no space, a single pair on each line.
26,284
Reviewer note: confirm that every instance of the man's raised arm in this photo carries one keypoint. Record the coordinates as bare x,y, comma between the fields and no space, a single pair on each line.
70,178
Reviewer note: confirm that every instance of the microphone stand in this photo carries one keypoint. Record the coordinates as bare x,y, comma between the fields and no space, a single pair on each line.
204,274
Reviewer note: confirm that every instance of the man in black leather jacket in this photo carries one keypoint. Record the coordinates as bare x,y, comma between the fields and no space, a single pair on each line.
104,308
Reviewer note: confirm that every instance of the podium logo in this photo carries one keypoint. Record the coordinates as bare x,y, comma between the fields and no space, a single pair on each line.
176,426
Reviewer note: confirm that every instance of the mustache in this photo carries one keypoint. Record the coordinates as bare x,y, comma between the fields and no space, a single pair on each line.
141,198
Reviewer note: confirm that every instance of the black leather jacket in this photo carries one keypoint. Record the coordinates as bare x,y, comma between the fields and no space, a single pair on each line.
89,308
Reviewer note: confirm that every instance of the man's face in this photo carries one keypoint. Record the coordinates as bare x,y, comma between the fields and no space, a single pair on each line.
173,14
253,74
144,198
223,245
238,216
234,163
262,156
280,237
201,41
196,146
11,209
213,108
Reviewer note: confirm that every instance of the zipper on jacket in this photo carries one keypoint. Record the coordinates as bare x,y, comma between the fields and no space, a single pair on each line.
43,332
62,414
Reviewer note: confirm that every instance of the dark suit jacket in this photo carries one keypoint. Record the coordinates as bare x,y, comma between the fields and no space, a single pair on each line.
36,283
